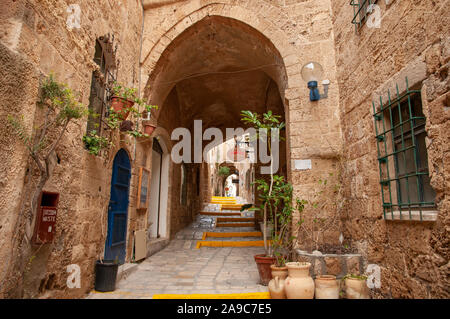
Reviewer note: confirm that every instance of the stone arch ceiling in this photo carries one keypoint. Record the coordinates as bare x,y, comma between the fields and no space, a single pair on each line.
218,67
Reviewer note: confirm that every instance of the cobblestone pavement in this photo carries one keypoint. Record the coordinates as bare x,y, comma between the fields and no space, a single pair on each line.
180,268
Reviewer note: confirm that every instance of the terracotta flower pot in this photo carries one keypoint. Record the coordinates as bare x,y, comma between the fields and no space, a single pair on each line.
121,106
263,263
356,288
149,128
299,285
326,287
276,285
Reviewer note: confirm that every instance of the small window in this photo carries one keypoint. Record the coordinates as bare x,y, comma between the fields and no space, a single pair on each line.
361,10
402,156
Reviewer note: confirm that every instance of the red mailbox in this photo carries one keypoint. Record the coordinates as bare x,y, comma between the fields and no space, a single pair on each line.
46,218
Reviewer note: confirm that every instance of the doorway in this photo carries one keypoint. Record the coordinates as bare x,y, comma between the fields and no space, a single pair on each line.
115,246
158,191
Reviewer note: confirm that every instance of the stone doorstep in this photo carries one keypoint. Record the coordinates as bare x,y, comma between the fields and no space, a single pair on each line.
155,245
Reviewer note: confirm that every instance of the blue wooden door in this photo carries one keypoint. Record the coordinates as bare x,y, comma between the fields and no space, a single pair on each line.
115,247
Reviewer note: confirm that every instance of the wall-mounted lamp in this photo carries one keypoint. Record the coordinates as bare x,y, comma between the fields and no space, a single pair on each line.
312,72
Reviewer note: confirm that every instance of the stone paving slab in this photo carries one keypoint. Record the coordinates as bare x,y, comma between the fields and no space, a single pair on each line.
180,270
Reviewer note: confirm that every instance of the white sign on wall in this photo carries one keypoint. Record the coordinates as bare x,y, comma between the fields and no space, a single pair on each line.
301,165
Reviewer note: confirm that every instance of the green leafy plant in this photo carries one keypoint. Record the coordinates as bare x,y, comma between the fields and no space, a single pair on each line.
353,276
312,221
130,94
224,171
270,122
60,107
95,143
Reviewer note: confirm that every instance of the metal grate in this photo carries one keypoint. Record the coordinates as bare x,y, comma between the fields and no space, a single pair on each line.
402,155
361,8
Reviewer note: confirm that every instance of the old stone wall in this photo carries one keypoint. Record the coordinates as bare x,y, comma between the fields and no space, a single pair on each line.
35,40
413,41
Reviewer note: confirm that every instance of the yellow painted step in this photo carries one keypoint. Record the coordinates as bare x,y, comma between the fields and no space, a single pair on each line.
229,235
219,243
249,295
235,219
219,214
235,224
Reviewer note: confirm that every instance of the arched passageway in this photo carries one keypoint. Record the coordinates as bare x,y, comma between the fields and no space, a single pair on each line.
211,72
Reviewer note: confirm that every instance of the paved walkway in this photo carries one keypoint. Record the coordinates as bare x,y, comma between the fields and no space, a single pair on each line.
180,268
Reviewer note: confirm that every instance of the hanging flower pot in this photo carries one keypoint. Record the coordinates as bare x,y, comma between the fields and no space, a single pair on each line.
121,106
148,127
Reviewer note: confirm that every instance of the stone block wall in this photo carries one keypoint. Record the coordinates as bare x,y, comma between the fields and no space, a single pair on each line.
36,40
413,41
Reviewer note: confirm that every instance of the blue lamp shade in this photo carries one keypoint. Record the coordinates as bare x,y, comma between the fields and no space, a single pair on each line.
312,72
314,94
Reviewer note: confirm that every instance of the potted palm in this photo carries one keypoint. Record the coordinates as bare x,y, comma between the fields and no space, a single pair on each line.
270,123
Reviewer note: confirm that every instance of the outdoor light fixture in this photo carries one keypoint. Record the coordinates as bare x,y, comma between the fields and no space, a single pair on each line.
312,72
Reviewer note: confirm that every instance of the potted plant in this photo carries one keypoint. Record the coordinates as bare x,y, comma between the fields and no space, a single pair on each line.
270,123
326,287
106,275
147,124
356,287
123,100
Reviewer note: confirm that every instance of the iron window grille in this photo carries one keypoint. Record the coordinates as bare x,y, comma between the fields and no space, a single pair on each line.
101,81
402,155
361,9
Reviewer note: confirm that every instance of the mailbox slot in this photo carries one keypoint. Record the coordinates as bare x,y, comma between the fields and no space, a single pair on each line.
46,218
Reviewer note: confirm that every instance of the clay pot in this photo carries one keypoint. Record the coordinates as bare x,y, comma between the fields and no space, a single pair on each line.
326,287
276,285
148,128
263,263
356,288
121,106
299,284
281,272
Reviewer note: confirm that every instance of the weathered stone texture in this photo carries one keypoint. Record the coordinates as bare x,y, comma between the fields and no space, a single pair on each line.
412,41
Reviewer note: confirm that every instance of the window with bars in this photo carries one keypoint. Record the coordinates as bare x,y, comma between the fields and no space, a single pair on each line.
402,156
361,10
104,57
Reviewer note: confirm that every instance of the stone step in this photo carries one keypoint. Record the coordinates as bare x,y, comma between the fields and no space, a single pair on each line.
235,219
232,235
223,243
231,207
235,224
219,214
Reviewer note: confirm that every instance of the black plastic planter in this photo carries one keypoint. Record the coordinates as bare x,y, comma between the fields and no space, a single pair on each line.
105,275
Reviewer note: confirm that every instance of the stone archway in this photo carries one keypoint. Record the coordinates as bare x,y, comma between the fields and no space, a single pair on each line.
211,70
